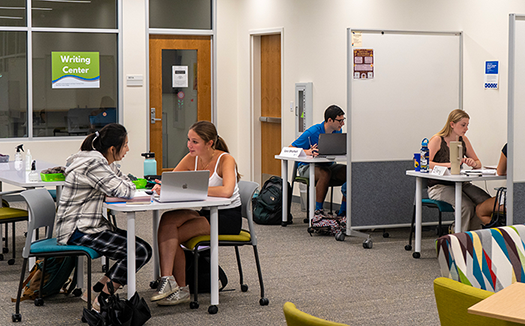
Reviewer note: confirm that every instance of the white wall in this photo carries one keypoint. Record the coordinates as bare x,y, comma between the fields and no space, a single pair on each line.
314,50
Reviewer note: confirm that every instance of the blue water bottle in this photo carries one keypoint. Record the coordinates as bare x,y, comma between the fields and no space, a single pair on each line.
150,164
424,156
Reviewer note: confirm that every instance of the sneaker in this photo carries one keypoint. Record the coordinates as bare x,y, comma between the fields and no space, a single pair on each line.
95,305
180,296
167,286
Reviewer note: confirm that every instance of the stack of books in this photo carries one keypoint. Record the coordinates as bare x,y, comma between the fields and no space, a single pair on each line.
140,198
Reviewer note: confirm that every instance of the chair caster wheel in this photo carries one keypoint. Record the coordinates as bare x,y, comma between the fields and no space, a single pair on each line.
416,255
104,268
1,257
306,220
284,224
153,284
340,236
77,292
11,261
408,247
367,244
310,230
244,287
16,317
5,250
39,302
194,305
386,234
264,301
212,310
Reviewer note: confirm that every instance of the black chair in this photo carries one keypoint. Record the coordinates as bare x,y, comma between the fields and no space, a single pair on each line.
42,208
246,237
306,181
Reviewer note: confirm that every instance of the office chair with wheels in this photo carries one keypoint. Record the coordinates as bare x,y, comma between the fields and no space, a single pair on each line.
246,237
443,207
42,208
10,215
295,317
305,180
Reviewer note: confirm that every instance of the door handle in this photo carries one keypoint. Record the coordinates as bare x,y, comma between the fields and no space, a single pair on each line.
153,118
270,119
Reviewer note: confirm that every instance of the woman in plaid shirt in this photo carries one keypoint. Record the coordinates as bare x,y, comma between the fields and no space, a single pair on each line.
91,175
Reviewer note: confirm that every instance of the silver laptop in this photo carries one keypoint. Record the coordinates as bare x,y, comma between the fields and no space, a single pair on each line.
332,144
184,186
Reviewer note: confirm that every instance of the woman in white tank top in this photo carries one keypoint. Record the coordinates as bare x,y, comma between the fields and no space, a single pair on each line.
209,152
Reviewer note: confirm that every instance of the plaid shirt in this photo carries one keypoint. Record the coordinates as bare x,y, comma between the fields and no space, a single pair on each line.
89,179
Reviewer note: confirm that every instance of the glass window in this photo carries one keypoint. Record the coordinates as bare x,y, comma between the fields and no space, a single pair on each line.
79,106
180,14
13,13
13,81
75,13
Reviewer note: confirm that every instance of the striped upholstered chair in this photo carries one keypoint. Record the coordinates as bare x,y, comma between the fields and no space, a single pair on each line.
489,259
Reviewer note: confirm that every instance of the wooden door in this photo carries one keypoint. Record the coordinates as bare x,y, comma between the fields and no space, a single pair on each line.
174,101
270,105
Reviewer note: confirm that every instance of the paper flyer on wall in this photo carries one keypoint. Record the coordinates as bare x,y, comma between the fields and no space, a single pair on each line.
363,64
491,75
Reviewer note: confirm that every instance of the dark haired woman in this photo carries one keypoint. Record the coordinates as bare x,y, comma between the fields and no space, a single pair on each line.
91,175
209,152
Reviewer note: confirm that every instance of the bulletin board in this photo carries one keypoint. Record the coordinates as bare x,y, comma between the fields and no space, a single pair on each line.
406,95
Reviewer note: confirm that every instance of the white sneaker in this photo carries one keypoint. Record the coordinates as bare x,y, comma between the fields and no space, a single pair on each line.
180,296
167,286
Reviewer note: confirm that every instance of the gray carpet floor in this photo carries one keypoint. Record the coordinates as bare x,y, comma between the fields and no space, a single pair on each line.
339,281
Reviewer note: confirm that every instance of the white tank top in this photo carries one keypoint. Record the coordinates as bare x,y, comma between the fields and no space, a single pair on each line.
216,180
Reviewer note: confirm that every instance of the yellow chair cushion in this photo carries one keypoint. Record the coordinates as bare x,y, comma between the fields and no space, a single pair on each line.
296,317
8,213
244,236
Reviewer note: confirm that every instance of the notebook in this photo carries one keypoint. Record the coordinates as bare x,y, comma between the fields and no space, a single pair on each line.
332,144
184,186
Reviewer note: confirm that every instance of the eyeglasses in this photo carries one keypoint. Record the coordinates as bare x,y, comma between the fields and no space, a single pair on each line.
340,120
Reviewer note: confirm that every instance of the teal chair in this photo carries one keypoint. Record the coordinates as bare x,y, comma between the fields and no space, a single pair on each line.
42,208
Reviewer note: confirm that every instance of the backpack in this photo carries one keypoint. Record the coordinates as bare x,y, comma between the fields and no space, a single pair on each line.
328,225
267,206
204,281
56,279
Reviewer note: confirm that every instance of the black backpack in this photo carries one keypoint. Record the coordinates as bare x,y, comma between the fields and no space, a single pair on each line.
204,282
267,206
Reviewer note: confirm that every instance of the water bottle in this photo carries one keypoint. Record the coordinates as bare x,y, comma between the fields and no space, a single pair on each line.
424,156
150,164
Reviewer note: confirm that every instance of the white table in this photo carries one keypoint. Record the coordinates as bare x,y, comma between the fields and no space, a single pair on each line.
311,184
458,181
130,210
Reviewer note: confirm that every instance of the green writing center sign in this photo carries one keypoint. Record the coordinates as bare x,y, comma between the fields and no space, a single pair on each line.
75,70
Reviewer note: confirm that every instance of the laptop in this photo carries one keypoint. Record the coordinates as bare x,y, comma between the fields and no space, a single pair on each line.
332,144
184,186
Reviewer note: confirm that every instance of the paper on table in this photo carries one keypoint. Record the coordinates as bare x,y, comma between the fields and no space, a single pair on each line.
140,197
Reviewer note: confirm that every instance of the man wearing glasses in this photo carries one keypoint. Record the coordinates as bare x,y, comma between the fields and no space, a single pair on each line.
325,173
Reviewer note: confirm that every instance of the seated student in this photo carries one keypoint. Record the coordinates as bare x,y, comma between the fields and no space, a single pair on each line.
325,172
439,154
91,175
484,210
208,152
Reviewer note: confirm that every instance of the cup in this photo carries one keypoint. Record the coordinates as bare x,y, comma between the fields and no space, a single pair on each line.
456,154
417,162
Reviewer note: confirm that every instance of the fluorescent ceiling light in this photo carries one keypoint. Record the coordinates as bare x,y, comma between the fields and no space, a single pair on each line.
68,1
10,17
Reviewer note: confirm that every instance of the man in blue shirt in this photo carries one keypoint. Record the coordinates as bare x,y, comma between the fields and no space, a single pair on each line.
325,172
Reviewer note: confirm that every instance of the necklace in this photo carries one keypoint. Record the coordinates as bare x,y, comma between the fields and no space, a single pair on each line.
211,159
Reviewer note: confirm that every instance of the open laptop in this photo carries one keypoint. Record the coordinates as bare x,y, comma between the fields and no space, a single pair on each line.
332,144
184,186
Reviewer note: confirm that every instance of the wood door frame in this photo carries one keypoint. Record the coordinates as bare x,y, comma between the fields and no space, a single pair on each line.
255,97
213,83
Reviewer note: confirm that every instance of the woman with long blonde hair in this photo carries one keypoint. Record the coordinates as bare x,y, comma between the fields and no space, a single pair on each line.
439,154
